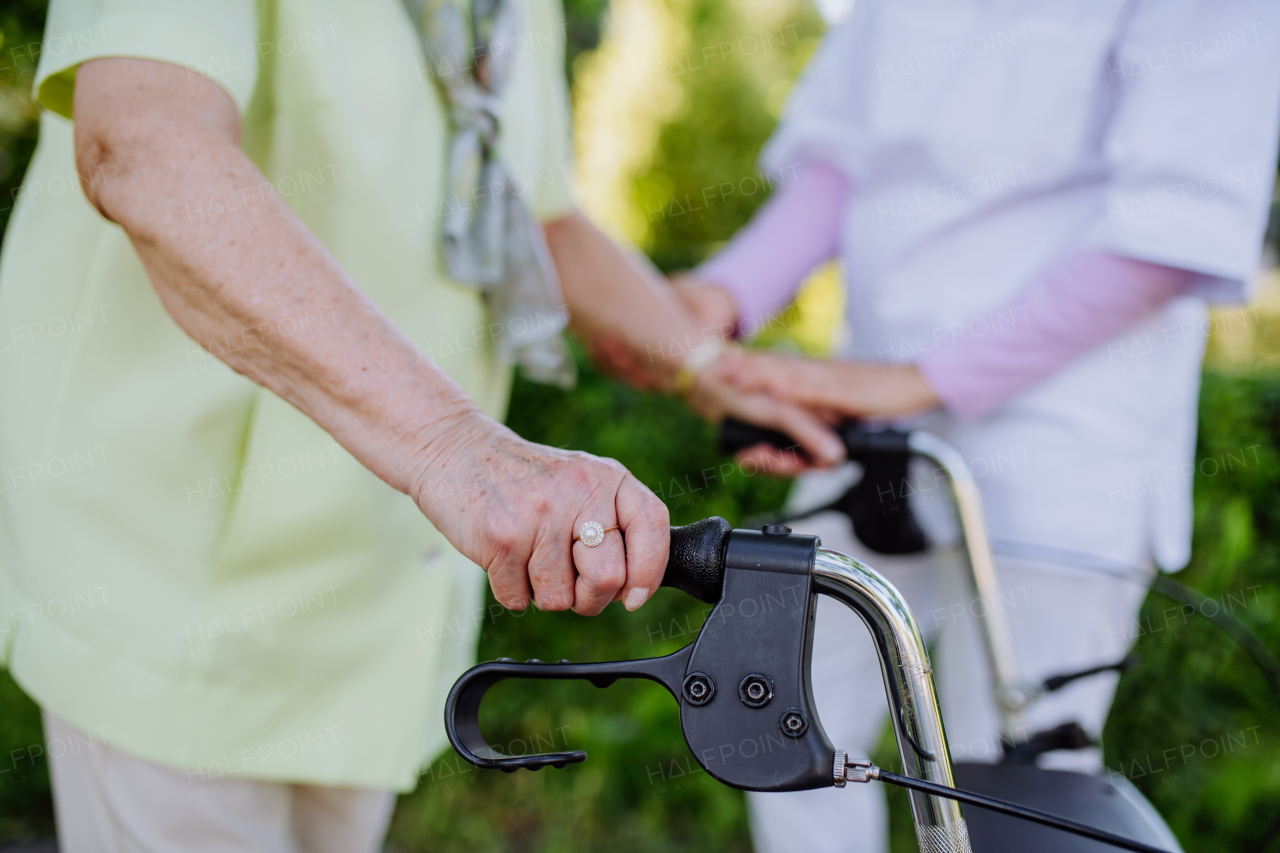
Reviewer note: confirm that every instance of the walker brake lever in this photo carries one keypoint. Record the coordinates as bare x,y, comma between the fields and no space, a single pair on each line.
746,704
462,713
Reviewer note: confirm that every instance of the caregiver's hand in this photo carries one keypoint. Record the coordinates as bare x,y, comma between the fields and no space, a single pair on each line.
849,389
715,398
155,142
642,330
514,507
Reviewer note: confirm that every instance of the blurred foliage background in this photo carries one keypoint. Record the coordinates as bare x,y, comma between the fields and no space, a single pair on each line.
673,100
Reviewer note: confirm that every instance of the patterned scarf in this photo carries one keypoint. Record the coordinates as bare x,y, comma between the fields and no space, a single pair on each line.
491,241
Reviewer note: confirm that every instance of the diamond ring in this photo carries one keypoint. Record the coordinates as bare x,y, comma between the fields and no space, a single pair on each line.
592,534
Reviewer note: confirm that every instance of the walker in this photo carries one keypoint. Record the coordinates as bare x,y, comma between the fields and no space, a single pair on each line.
744,692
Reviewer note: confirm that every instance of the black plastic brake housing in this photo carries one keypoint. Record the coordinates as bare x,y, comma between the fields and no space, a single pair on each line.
746,702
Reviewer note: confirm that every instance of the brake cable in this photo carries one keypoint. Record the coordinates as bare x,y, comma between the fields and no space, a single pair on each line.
864,771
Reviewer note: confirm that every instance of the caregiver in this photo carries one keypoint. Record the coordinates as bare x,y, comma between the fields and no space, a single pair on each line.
1031,204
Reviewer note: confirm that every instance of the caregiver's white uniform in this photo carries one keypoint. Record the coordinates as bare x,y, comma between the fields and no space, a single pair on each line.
984,142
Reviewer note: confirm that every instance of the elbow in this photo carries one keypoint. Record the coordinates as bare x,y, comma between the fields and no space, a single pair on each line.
101,163
138,123
92,157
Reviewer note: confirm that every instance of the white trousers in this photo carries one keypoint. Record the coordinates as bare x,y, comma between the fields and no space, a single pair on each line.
109,802
1062,621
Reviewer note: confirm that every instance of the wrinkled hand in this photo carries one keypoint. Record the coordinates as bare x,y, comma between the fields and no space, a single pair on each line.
514,507
850,389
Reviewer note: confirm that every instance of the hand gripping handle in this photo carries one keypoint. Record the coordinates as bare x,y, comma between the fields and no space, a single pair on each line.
695,566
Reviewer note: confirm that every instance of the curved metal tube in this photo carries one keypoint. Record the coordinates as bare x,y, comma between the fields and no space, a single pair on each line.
997,636
908,679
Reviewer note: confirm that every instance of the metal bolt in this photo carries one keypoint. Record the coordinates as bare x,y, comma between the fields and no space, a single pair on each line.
755,690
699,688
794,723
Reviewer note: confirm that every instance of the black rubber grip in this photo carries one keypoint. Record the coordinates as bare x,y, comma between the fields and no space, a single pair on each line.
738,435
696,564
859,442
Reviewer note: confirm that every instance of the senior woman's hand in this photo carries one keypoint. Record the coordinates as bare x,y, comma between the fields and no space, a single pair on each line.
153,141
514,508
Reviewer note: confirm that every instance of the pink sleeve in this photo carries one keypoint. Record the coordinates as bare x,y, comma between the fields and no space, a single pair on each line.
1077,305
796,230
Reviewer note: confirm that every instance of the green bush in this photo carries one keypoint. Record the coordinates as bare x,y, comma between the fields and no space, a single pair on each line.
704,181
1195,724
21,23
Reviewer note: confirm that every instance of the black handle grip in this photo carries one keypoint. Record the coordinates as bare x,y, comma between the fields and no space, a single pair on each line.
696,564
859,441
736,435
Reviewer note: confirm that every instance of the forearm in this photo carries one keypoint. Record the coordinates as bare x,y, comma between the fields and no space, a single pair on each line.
612,291
158,144
237,276
1078,305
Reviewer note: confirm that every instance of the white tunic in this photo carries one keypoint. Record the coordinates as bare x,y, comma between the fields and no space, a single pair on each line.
987,140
